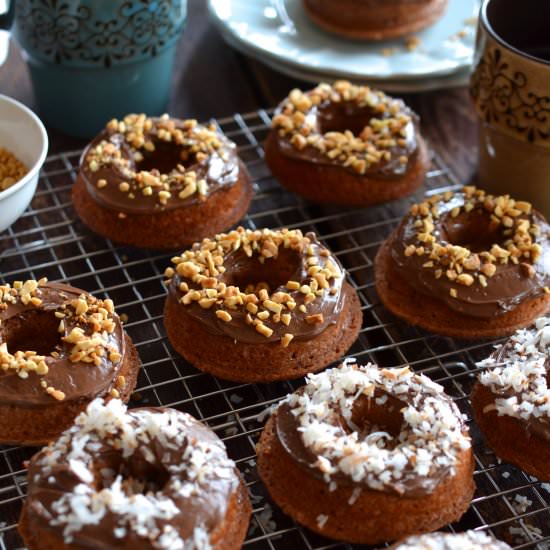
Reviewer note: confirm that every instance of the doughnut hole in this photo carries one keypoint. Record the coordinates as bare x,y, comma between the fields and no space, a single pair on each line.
165,158
250,275
138,475
339,117
33,330
368,417
474,230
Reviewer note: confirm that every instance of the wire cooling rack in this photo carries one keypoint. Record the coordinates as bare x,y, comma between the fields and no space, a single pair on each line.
49,241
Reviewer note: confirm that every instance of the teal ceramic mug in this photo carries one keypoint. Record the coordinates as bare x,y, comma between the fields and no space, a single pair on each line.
92,60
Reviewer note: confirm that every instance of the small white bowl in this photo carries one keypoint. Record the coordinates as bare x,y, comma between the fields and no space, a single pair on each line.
22,133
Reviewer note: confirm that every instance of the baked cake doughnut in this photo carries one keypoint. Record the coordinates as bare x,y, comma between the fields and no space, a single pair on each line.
368,455
160,182
511,400
469,540
346,144
145,478
257,306
467,265
374,19
59,348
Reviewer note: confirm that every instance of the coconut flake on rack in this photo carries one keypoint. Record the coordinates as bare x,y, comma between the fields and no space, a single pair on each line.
517,372
469,540
379,460
135,509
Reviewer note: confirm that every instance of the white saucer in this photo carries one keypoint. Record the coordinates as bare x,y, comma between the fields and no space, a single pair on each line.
4,45
454,80
279,30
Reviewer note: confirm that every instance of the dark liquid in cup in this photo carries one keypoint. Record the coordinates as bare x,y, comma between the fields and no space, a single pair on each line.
523,25
540,52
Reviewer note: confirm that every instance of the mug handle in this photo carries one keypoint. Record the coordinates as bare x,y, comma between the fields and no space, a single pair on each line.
6,18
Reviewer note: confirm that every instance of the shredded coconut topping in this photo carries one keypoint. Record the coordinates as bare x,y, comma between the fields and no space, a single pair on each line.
133,505
518,373
431,438
469,540
390,127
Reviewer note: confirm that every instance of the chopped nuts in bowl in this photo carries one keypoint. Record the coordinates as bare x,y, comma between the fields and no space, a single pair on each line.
23,149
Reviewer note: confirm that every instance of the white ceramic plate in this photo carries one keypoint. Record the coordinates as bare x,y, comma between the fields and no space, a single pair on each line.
454,80
4,45
22,133
280,30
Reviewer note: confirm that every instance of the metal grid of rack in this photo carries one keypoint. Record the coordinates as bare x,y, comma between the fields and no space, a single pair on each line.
49,240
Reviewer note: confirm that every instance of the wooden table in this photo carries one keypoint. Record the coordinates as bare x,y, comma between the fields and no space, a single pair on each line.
212,80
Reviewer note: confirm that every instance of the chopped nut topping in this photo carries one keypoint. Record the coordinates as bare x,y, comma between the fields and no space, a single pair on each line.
412,43
86,324
264,330
315,319
56,394
263,308
223,315
287,338
196,145
389,129
460,264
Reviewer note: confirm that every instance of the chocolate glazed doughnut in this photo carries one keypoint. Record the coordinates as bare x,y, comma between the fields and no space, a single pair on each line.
59,348
148,478
511,400
160,182
467,265
374,19
257,306
368,455
346,144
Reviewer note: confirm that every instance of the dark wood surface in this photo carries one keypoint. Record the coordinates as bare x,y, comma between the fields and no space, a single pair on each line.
212,80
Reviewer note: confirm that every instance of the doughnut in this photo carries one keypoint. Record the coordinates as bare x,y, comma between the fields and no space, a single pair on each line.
511,400
59,348
368,455
469,540
346,144
374,19
258,306
160,182
467,264
144,478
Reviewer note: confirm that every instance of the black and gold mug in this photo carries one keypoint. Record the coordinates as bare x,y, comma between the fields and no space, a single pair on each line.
510,87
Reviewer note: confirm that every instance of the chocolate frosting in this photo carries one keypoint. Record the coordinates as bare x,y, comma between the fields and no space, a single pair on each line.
349,115
536,426
330,304
505,290
220,169
75,379
155,463
288,434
